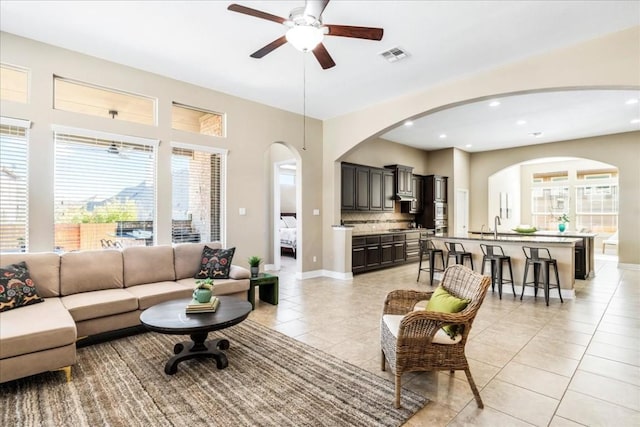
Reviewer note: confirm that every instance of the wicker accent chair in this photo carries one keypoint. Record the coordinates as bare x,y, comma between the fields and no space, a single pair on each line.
409,337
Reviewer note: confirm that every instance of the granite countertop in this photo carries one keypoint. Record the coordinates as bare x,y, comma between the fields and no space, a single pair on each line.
539,233
393,231
515,237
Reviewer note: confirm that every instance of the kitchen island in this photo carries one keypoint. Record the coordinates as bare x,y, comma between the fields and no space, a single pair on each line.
561,248
584,249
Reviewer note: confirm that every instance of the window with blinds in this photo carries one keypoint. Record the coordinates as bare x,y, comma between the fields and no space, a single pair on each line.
198,196
104,191
14,139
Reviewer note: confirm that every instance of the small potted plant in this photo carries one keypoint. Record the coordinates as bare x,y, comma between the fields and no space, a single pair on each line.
254,263
562,222
203,290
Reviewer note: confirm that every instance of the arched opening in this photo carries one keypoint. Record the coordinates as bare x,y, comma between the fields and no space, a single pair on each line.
286,221
539,192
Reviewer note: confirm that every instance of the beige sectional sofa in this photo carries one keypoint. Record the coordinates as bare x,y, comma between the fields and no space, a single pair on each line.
88,293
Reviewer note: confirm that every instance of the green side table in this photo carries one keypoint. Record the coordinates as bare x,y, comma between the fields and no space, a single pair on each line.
268,291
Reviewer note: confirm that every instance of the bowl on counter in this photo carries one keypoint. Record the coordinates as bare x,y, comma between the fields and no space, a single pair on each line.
525,229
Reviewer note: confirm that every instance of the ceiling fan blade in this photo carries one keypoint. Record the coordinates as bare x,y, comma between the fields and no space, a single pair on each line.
315,7
269,48
355,32
257,13
323,57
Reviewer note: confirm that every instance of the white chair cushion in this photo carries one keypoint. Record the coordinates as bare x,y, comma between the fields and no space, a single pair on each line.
393,323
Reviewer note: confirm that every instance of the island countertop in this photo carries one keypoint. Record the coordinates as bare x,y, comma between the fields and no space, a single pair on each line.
529,238
539,233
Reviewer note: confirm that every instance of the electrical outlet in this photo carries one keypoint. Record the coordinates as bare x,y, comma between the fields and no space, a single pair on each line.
315,259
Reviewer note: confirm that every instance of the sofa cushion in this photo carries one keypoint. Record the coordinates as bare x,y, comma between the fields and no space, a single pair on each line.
154,293
237,272
90,271
215,263
16,287
91,305
44,268
35,328
220,286
148,264
188,257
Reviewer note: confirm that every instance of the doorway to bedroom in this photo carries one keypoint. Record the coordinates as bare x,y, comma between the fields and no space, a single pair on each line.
286,232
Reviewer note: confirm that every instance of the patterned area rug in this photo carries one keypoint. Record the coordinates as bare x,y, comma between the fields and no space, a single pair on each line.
271,380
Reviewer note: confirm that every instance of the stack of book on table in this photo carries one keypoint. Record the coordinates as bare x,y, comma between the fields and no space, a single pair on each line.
203,307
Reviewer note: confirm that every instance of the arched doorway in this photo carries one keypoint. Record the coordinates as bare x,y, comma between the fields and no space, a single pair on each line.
286,223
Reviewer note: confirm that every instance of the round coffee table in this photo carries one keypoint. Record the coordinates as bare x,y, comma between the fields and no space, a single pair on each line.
171,318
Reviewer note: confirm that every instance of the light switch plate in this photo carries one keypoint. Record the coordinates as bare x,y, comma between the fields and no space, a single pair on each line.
242,211
316,211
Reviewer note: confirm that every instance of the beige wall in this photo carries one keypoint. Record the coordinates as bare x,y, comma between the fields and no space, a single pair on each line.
379,152
620,150
611,61
251,129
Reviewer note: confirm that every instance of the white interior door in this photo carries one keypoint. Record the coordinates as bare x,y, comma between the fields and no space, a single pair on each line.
462,211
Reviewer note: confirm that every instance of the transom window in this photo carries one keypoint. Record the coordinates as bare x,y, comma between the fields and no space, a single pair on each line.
192,119
85,98
14,84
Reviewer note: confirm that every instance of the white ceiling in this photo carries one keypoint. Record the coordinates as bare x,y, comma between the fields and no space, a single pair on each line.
203,43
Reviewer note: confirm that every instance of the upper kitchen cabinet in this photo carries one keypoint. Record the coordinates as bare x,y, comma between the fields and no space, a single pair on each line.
416,205
435,188
365,188
403,178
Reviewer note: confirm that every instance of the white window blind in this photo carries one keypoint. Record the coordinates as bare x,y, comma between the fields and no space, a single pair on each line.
14,188
198,194
104,191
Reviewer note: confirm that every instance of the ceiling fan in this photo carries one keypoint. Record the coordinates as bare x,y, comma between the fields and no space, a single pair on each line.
306,30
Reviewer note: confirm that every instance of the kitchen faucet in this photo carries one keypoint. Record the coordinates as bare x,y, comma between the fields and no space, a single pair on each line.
482,231
496,223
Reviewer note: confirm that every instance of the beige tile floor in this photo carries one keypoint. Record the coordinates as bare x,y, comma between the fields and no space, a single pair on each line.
570,364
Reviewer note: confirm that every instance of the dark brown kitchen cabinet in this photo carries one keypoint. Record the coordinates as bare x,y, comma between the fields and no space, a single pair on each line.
435,188
403,175
376,191
387,190
384,250
366,188
362,188
348,186
417,204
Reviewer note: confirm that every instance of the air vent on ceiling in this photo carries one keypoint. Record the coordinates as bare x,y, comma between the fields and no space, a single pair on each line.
394,54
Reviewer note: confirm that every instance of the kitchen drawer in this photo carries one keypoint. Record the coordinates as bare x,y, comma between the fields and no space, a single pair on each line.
372,240
358,241
398,238
386,238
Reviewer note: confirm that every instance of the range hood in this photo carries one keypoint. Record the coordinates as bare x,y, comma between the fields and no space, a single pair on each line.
403,198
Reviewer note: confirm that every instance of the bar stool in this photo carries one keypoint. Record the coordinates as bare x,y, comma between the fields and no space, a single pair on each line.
540,257
495,255
427,246
457,250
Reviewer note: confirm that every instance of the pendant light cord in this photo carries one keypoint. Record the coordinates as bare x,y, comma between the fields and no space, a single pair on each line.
304,102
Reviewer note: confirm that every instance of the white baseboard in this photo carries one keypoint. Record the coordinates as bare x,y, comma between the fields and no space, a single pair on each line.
629,266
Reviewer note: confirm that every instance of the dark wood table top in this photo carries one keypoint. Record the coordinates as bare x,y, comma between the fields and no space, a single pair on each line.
171,317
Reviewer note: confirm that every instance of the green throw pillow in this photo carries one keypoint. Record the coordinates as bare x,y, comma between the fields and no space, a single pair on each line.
443,302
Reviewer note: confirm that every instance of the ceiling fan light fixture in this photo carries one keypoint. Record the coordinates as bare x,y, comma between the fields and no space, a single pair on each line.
305,37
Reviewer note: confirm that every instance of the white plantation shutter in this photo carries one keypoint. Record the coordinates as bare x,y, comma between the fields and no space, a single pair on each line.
104,190
198,193
14,187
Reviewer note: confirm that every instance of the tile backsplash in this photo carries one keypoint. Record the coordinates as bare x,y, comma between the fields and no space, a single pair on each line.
370,222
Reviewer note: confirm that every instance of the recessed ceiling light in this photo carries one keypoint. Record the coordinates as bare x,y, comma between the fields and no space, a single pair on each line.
494,103
468,145
443,135
536,134
632,101
634,121
521,122
408,123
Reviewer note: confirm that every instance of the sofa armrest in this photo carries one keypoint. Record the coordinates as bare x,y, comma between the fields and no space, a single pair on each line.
236,272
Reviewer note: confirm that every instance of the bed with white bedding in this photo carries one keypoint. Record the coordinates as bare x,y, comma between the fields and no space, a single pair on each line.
288,233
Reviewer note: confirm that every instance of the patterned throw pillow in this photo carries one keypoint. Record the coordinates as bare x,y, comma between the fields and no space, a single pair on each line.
16,287
215,263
